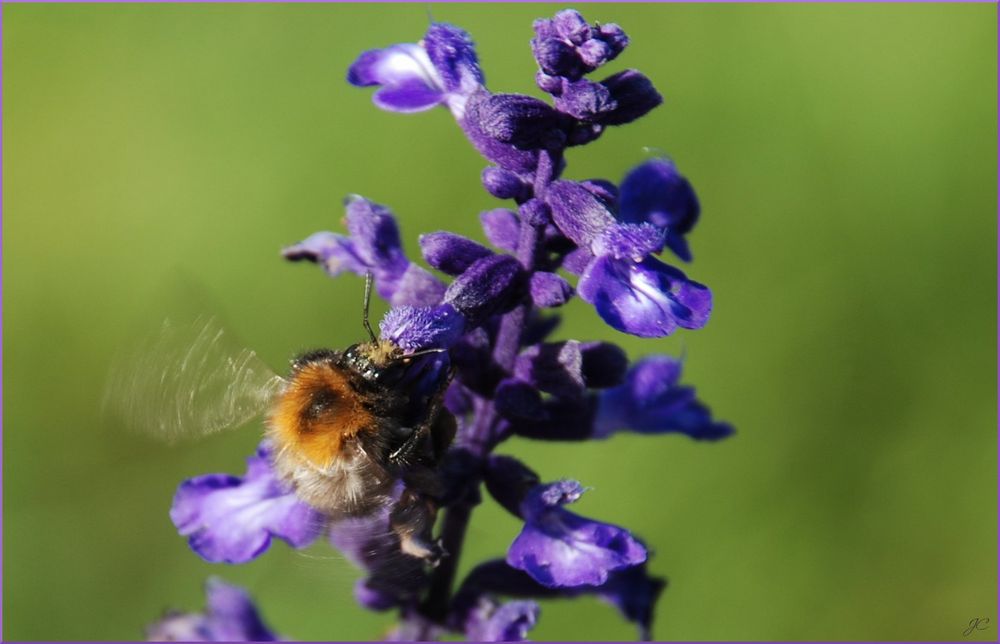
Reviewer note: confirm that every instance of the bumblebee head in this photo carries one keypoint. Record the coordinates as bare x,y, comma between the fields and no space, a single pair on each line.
384,364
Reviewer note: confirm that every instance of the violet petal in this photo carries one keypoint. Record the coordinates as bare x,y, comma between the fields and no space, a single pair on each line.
508,622
418,328
335,253
232,520
657,193
502,228
450,253
648,299
561,549
633,95
549,290
650,401
230,616
408,79
553,368
493,284
504,184
579,214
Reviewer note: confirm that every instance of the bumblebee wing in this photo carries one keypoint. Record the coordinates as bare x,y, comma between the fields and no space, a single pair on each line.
189,380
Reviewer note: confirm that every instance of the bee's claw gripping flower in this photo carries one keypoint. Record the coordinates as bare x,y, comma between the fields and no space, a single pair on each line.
230,616
232,520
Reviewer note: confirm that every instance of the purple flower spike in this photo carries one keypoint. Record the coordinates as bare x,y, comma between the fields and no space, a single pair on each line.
561,549
230,616
648,299
651,402
493,622
656,193
231,520
480,345
414,329
443,69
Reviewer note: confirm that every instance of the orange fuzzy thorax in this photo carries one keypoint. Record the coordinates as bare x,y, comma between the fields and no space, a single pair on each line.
318,435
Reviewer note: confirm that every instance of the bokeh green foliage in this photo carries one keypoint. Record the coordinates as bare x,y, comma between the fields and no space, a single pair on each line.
156,158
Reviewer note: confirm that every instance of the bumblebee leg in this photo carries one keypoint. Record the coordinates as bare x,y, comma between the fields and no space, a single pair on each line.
412,519
404,454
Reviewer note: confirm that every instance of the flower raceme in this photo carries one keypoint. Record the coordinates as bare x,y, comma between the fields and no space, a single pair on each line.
491,318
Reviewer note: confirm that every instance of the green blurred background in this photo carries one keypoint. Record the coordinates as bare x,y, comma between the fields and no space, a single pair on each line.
845,158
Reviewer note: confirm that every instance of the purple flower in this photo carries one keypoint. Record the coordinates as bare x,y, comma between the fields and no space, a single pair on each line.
648,299
559,548
230,616
490,621
631,590
632,291
477,345
651,402
566,46
491,285
373,245
228,519
441,70
656,193
417,328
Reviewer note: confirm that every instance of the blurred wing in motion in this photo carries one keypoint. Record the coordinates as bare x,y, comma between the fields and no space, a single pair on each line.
189,380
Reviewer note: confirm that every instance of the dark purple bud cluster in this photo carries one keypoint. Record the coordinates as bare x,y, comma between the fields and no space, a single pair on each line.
494,318
566,48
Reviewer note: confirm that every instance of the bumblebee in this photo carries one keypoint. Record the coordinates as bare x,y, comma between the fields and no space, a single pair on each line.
350,424
354,431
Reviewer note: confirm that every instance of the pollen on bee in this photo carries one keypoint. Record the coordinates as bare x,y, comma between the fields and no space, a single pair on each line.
318,414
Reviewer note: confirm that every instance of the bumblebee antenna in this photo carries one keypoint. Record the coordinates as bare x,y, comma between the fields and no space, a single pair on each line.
368,301
425,352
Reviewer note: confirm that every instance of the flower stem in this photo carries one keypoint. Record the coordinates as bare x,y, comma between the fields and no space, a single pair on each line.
480,438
